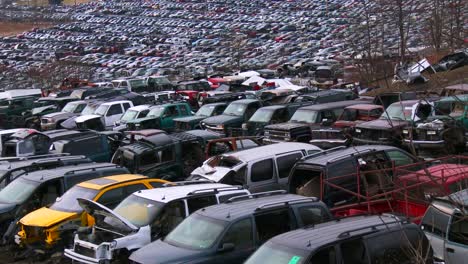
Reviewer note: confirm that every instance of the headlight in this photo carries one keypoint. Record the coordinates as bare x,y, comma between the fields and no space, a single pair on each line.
244,126
405,131
220,126
358,130
431,132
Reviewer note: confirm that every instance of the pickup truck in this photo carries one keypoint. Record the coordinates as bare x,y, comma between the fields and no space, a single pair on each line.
106,114
193,122
53,120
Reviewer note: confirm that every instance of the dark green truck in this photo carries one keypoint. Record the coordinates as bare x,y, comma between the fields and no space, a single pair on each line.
161,117
193,122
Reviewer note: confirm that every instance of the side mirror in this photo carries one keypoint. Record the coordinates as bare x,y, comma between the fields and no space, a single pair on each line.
226,247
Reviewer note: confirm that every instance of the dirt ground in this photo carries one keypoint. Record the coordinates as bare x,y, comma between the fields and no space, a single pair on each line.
13,28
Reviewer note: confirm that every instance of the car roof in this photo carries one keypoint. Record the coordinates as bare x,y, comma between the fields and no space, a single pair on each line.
312,237
139,107
269,150
171,193
273,107
116,102
103,182
245,101
364,106
46,175
240,207
215,104
325,157
332,105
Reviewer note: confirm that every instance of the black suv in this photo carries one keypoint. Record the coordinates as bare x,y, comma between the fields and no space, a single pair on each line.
230,232
339,166
362,239
34,190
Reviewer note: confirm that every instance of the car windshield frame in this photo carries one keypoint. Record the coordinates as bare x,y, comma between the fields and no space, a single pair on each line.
130,115
397,112
89,110
305,116
101,110
235,109
262,116
130,215
70,107
197,225
205,110
278,254
18,191
68,201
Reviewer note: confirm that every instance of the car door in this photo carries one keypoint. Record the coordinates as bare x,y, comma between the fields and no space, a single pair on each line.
262,176
456,244
434,224
113,114
284,164
167,119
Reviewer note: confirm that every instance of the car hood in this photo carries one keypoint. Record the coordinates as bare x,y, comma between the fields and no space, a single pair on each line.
190,119
100,212
45,217
163,253
139,120
211,173
383,124
59,115
69,123
6,207
286,126
222,119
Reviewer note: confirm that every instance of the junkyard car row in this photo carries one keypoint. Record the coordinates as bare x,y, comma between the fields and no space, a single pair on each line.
152,159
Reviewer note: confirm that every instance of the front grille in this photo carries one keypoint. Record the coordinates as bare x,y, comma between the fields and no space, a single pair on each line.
32,231
214,129
332,134
426,135
182,125
276,135
85,251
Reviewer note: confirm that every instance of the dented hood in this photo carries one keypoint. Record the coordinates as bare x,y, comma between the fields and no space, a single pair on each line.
45,217
211,173
105,216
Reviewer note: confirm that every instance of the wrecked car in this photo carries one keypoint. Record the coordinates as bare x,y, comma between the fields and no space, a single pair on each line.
170,157
193,122
298,128
161,117
139,111
12,109
54,120
340,133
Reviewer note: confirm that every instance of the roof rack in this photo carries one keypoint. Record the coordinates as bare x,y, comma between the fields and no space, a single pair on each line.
291,201
59,159
50,155
364,151
91,169
216,189
322,152
255,195
346,234
184,183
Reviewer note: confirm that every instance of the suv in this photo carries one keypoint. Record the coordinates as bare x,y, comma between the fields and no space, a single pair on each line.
52,226
40,188
258,169
14,168
388,129
341,163
447,130
298,128
445,224
105,115
363,239
143,217
53,120
169,157
233,116
193,122
230,232
161,117
11,110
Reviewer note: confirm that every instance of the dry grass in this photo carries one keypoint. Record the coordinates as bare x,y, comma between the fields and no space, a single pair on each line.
13,28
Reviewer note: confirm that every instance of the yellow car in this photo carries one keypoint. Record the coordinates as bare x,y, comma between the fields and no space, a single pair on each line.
51,226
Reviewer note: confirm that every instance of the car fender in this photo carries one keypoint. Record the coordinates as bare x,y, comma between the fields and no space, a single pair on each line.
136,240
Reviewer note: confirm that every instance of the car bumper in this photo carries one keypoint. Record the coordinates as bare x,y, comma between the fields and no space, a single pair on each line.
359,141
69,253
329,143
48,126
437,144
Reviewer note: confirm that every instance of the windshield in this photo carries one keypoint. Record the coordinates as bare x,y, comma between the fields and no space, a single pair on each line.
397,112
101,110
69,203
69,108
235,109
305,116
262,116
139,211
89,110
276,254
137,83
17,191
196,232
129,115
351,114
205,110
157,111
223,161
42,103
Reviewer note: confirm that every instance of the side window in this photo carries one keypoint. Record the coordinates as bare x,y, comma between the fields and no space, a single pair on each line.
111,197
133,188
219,110
354,252
262,170
399,158
171,111
183,110
171,215
341,168
311,215
79,108
240,234
327,115
166,155
458,231
273,223
435,222
48,193
200,202
156,184
114,110
126,106
285,163
324,256
250,111
143,113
